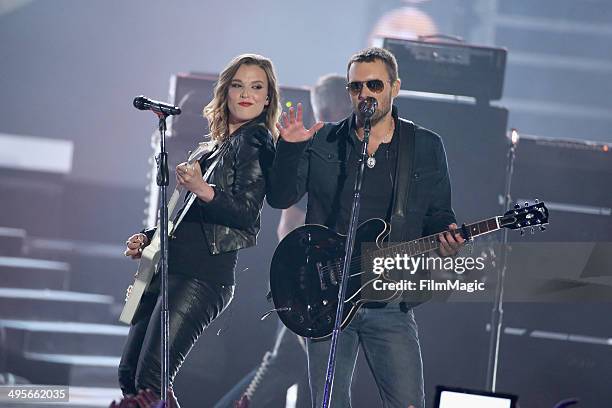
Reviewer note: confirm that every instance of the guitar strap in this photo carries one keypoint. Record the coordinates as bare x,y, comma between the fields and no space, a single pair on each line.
403,176
219,153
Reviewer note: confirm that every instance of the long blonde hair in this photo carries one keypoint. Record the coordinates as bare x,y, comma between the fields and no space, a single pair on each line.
217,111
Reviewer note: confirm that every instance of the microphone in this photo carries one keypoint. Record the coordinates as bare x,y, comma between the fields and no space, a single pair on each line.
367,107
143,103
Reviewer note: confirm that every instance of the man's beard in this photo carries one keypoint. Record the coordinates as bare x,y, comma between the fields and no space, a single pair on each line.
380,113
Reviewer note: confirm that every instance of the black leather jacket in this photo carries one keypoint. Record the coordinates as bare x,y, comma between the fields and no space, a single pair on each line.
239,181
422,193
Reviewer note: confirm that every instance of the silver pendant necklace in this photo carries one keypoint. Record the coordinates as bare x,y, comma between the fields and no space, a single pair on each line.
371,162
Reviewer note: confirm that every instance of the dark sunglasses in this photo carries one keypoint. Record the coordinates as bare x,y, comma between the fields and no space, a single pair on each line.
374,85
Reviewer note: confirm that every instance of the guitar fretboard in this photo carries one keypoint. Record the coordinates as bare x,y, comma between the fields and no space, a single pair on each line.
431,243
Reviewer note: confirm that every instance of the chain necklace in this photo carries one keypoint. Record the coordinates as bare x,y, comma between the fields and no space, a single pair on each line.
371,160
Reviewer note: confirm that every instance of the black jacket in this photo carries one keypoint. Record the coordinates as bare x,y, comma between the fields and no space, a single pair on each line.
231,220
422,192
240,186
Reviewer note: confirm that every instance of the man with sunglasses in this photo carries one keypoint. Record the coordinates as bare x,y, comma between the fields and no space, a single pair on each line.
406,183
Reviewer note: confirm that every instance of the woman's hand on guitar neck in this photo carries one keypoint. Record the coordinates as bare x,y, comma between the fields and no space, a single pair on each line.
135,244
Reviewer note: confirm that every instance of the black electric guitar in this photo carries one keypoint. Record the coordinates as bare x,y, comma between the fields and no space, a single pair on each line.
307,265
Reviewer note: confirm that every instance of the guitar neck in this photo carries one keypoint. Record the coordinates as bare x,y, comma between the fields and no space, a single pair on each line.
431,243
174,200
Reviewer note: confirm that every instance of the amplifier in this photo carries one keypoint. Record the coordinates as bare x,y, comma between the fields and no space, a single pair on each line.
573,178
453,69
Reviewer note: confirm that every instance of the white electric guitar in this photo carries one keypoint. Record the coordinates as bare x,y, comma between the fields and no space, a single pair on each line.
147,268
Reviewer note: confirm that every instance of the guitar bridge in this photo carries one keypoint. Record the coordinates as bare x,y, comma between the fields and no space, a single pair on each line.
334,272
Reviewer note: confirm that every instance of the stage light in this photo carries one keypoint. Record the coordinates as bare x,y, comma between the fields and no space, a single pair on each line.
514,136
406,22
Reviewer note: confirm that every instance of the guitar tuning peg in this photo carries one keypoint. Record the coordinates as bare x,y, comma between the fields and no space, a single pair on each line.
542,228
536,201
517,206
526,204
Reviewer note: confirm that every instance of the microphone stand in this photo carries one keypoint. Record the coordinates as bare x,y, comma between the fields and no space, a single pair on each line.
163,182
497,314
348,248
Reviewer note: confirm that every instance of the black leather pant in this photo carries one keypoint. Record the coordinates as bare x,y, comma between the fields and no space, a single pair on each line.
193,304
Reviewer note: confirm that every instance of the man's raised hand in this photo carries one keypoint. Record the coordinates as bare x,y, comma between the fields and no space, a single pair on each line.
291,127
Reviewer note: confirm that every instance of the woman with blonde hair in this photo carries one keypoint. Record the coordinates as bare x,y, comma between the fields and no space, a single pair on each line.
223,219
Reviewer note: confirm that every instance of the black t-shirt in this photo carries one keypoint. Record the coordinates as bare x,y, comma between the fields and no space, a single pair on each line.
377,187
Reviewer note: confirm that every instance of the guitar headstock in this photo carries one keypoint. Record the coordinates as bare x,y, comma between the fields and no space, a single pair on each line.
528,216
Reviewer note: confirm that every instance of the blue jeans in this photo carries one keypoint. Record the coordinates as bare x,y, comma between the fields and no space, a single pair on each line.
389,339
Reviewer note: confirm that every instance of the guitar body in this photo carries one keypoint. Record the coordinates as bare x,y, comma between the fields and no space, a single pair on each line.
305,277
142,278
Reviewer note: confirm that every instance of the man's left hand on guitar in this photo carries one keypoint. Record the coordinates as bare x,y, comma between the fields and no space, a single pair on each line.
450,243
190,177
